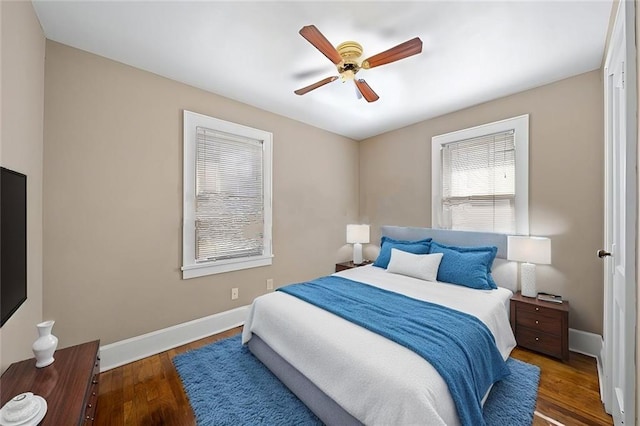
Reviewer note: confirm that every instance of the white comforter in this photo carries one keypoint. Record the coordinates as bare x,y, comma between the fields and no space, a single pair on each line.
374,379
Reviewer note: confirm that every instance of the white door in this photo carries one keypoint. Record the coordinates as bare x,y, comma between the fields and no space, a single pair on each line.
620,216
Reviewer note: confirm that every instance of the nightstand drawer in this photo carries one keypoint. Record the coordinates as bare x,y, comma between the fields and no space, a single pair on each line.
541,342
550,324
540,311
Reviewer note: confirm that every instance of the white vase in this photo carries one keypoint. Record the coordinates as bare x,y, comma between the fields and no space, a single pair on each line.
45,345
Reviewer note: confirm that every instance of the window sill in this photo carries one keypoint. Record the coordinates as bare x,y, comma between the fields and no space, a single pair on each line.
212,268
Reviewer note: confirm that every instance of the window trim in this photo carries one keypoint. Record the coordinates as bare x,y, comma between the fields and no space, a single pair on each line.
190,268
520,125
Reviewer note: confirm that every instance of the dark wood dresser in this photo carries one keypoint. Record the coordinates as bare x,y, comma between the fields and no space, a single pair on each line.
69,385
541,326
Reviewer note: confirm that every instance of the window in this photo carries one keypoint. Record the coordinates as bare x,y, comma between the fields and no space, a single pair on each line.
480,178
227,196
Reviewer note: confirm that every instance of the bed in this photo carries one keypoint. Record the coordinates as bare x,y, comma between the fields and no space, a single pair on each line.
347,374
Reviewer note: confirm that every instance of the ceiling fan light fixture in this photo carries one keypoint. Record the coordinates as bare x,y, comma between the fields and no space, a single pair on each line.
347,75
348,71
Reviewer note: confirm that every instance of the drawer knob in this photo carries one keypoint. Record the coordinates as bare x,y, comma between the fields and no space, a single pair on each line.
537,322
95,381
93,393
537,309
537,339
89,406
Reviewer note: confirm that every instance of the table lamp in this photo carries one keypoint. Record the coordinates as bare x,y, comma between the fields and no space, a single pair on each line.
531,251
357,235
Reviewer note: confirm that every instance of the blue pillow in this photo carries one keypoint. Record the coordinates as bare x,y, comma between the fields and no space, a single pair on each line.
386,244
467,266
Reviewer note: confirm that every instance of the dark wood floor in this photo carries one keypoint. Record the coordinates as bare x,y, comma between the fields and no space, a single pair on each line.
569,392
149,391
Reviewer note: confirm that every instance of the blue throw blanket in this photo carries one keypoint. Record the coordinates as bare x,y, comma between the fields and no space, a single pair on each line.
458,345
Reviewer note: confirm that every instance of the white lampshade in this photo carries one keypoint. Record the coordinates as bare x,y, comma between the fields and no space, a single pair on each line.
529,249
357,234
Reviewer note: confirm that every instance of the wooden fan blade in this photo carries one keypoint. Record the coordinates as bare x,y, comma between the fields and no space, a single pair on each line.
366,90
401,51
320,42
315,85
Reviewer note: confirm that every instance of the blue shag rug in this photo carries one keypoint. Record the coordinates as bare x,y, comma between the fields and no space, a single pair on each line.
227,385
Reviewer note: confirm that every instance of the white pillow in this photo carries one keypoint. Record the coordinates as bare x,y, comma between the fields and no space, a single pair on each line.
421,266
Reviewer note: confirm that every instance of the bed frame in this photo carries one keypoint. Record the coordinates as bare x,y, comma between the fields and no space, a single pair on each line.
327,410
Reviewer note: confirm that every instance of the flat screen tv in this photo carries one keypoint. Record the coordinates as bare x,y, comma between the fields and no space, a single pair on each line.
13,242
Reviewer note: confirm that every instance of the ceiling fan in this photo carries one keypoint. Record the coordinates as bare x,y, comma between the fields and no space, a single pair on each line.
345,57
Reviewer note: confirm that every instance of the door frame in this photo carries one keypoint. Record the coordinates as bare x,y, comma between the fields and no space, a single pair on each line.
624,27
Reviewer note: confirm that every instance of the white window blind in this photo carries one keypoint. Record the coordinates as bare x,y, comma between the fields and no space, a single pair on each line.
229,196
227,206
480,178
479,183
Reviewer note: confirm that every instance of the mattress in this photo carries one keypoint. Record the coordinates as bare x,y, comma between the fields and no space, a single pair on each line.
372,378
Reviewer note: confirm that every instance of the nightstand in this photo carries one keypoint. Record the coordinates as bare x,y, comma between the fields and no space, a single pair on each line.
348,265
541,326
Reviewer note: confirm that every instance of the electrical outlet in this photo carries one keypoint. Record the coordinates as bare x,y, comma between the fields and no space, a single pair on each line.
234,293
270,284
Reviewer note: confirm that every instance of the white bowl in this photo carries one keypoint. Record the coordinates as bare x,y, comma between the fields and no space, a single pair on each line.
24,409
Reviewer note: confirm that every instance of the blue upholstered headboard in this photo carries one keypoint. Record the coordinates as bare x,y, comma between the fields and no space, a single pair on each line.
504,272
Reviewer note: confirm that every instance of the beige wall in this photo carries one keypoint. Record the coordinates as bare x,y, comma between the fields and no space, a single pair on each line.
565,174
21,121
637,32
113,200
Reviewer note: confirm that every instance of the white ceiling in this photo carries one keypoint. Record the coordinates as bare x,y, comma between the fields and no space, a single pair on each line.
473,51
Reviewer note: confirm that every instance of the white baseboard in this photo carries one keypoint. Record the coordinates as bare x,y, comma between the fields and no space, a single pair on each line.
588,344
125,351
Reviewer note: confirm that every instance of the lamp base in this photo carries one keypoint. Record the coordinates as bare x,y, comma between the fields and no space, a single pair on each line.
528,280
357,254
